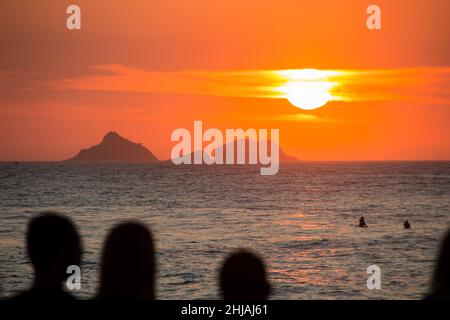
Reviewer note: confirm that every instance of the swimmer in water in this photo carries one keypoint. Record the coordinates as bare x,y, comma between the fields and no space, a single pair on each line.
407,225
362,223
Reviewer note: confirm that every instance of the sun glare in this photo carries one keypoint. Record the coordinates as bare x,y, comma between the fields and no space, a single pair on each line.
307,89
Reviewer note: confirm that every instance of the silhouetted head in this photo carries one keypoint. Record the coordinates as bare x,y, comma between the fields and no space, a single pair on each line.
362,222
53,244
441,277
128,263
243,277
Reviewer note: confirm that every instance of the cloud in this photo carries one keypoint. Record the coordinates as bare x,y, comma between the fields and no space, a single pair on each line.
24,80
424,85
304,118
219,83
428,85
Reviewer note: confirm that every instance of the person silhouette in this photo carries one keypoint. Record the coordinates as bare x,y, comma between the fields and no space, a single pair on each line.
440,285
243,277
362,223
128,264
53,244
406,224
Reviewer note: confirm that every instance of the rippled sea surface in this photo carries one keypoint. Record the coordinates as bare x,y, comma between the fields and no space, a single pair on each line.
302,221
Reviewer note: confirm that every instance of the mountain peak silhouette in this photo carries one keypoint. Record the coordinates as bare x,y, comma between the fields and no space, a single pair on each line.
115,148
111,136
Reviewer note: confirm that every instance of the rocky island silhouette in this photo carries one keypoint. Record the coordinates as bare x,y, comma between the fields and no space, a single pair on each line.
115,148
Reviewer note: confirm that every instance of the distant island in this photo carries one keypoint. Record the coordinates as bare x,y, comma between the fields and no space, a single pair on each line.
284,158
115,148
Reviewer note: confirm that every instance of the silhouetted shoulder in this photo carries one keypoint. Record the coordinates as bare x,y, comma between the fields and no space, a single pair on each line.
35,295
440,289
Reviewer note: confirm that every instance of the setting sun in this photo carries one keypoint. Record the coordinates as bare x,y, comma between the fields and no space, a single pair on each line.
308,96
307,89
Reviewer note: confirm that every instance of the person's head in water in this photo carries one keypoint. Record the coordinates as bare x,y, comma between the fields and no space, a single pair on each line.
53,244
243,276
128,263
441,278
406,224
362,222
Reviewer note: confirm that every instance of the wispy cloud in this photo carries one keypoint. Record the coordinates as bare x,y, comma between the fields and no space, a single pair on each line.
304,118
219,83
428,85
23,80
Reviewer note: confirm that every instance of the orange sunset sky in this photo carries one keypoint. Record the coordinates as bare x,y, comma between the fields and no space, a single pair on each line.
144,68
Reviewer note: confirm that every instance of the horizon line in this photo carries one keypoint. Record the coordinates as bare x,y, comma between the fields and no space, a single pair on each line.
168,160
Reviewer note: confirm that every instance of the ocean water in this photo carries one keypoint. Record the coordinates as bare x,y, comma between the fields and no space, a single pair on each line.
302,221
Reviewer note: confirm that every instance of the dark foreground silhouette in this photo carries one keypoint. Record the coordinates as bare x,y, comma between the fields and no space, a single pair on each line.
243,277
53,244
440,287
128,264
